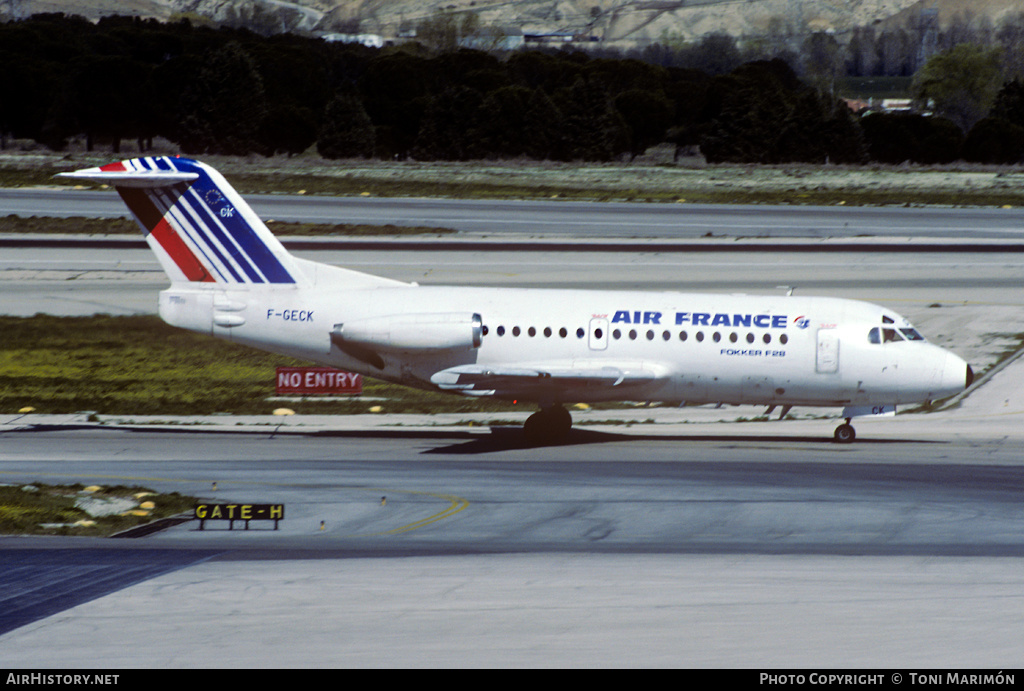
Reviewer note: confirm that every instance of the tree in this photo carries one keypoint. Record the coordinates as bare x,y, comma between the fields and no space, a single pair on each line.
962,82
225,105
822,61
593,129
647,115
347,131
448,121
994,140
899,137
502,128
396,89
108,97
761,113
1009,103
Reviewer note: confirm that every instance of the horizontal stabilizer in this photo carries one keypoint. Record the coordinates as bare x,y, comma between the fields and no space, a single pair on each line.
131,178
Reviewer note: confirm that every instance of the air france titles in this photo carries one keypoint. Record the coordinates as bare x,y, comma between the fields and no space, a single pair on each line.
723,319
761,321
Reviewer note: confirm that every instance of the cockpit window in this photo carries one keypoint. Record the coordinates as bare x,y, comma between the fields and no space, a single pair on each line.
890,336
888,320
911,334
875,335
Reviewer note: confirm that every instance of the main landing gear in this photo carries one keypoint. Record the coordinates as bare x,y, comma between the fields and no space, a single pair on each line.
548,425
845,434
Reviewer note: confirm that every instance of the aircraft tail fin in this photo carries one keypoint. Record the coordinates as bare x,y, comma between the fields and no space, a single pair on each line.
201,230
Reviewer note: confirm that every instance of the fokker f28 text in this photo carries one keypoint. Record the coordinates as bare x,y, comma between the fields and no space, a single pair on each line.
232,278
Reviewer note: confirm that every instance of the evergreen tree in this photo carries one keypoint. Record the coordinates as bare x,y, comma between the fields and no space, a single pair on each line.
225,106
347,131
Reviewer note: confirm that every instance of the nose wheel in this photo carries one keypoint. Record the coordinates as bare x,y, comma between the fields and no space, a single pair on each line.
548,425
845,434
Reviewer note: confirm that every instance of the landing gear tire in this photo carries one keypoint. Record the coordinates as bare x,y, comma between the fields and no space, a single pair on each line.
547,426
845,434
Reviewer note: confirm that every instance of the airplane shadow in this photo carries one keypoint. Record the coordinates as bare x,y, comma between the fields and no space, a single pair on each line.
500,439
512,439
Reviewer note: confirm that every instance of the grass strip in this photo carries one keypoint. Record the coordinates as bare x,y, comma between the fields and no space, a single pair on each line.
37,225
656,179
42,509
124,365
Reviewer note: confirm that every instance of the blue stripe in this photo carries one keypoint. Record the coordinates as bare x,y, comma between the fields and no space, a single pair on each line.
192,226
201,226
183,225
243,234
208,223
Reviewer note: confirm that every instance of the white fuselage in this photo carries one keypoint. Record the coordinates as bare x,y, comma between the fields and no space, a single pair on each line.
700,347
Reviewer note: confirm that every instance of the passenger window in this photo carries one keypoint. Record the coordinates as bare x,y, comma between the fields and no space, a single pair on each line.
682,335
547,332
580,333
783,339
616,334
501,330
666,336
532,331
562,332
650,335
700,336
515,331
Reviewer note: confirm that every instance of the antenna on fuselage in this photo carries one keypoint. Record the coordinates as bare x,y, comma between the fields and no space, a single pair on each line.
789,289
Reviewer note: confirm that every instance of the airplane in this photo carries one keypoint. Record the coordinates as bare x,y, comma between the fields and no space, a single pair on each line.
232,278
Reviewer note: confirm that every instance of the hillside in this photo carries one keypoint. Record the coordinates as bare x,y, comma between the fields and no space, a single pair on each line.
613,22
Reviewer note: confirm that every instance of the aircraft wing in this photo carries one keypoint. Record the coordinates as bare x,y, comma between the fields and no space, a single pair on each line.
524,379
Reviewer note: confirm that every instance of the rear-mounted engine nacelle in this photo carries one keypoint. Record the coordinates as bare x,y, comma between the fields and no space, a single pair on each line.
413,332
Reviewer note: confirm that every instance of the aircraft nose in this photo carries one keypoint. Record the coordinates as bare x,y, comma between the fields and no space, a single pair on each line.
957,375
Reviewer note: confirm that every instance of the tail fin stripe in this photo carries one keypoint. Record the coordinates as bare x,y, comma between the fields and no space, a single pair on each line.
181,254
180,219
154,208
201,228
231,219
203,221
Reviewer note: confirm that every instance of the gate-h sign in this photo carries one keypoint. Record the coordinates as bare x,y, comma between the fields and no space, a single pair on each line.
238,512
316,380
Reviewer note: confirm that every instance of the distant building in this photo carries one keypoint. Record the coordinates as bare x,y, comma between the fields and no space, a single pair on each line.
494,38
368,40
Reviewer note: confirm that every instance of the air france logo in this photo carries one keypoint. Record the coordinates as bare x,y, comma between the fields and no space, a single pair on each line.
801,322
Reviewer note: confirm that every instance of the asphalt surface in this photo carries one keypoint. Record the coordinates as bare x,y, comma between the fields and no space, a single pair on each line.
516,219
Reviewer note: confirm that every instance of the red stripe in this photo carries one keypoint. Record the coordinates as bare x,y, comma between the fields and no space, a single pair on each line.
181,254
113,166
151,218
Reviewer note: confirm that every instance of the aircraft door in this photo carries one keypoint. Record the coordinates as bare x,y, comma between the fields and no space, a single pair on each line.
827,361
598,333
